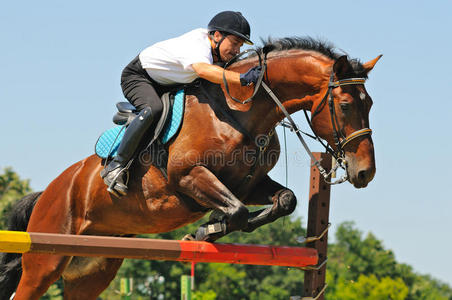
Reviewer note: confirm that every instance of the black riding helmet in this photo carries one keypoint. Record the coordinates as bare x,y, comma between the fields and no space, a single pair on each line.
231,22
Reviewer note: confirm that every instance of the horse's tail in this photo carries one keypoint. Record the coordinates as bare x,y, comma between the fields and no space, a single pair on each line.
10,263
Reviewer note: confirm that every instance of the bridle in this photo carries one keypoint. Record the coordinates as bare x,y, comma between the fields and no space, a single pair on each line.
340,140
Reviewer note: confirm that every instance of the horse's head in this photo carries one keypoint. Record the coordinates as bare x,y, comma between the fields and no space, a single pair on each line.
342,119
306,74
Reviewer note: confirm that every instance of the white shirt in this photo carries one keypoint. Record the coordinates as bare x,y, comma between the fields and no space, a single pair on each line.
169,62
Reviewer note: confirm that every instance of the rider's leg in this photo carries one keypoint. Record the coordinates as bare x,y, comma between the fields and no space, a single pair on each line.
143,95
113,174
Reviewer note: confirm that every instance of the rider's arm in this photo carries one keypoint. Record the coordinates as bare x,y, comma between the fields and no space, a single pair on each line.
214,73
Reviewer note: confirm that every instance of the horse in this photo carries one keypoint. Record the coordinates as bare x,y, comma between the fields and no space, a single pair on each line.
217,162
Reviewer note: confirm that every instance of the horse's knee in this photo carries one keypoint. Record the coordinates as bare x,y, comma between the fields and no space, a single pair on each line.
286,201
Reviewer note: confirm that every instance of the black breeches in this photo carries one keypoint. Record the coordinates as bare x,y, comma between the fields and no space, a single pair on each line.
141,90
142,94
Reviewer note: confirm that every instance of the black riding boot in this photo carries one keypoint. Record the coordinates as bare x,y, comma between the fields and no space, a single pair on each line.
114,174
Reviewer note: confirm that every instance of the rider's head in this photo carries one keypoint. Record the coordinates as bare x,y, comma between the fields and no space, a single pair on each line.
228,31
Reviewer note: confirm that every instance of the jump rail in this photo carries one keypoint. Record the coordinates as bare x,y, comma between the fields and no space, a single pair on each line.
154,249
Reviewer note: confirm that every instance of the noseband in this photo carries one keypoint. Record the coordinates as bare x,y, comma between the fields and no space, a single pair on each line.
340,140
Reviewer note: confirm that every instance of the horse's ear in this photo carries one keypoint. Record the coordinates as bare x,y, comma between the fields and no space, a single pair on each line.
342,66
368,66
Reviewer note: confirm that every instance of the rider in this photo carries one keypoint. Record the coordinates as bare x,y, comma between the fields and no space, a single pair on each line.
158,68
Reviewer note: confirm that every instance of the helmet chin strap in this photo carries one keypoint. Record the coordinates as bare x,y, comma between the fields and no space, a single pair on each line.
217,47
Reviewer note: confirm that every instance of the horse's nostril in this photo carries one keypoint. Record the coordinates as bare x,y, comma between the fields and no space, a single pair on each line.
362,175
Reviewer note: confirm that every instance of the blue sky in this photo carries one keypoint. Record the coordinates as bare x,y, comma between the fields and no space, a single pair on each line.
60,66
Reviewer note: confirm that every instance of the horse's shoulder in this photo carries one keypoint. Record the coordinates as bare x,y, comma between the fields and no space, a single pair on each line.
81,169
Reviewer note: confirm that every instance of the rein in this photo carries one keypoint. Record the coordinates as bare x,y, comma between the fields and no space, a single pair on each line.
259,80
339,139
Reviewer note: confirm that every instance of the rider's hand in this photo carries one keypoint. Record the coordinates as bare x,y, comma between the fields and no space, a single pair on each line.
251,76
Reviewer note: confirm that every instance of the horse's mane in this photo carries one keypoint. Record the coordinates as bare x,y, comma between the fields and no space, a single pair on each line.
308,43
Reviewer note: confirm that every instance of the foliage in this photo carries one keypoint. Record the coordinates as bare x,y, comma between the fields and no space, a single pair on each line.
12,188
370,287
208,295
363,269
54,292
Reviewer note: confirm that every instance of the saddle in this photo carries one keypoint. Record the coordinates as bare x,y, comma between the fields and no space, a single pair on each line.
166,128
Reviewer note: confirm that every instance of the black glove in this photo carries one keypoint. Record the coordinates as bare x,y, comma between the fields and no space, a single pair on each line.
251,76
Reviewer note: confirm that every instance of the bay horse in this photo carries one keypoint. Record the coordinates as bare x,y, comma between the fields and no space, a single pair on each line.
299,71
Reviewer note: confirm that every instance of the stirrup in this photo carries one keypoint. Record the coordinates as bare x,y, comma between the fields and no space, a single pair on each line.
111,187
114,182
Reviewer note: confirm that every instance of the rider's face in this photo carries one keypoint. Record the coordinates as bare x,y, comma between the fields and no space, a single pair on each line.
230,46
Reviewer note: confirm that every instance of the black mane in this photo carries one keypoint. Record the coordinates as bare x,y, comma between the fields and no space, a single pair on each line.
308,43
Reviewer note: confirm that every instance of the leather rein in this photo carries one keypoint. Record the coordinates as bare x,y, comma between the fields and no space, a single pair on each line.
340,140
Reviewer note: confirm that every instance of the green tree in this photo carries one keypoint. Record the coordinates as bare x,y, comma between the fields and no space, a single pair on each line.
371,288
361,268
12,188
54,292
209,295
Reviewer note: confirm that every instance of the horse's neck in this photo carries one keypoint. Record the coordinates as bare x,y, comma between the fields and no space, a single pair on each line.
296,80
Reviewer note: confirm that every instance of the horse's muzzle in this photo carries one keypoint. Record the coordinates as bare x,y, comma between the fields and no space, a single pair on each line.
360,172
363,177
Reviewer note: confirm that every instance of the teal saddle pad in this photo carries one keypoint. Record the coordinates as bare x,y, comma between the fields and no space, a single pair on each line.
108,143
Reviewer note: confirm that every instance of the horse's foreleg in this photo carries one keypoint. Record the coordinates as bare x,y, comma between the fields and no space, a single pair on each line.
266,192
203,186
39,272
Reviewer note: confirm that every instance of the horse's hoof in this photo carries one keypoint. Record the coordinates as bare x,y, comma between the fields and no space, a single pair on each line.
210,232
201,234
287,201
189,237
